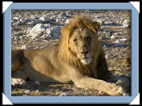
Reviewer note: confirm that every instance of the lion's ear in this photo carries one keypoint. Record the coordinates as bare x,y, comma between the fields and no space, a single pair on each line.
96,26
65,31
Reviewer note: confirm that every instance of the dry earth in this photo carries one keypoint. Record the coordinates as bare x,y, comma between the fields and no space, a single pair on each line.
115,36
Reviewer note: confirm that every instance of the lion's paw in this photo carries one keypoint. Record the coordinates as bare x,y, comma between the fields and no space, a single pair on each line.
116,90
120,91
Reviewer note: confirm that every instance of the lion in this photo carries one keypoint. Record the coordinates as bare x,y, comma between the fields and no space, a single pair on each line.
78,58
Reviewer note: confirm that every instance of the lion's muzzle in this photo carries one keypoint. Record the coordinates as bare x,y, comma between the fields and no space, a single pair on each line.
86,61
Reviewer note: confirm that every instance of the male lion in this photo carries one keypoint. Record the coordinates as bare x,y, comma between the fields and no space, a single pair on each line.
78,58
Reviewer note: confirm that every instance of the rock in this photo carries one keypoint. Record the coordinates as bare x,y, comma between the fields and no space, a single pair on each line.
69,13
68,20
37,30
126,94
120,33
20,33
56,35
106,56
16,18
123,40
62,13
57,20
17,23
101,16
34,21
47,25
18,82
49,32
100,38
27,91
104,32
113,37
57,32
23,47
108,23
46,36
63,94
126,24
118,43
45,19
108,33
37,82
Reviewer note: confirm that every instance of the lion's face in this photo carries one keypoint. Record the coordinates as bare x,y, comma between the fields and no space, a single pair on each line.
79,39
82,43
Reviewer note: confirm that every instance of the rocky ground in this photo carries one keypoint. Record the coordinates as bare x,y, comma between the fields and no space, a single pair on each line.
33,29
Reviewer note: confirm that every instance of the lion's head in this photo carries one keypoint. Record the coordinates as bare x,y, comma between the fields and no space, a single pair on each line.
79,39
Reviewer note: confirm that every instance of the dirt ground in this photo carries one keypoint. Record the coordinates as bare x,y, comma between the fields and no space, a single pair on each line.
118,56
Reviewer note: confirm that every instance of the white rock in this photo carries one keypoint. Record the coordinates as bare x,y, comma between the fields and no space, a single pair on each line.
15,18
45,18
69,13
115,34
104,46
23,47
123,40
125,94
47,25
63,94
68,20
120,33
108,22
27,91
126,23
104,31
49,31
57,20
118,43
100,38
106,56
113,37
37,47
37,30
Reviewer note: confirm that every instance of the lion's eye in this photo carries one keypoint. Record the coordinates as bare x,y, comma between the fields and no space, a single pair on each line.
88,38
75,40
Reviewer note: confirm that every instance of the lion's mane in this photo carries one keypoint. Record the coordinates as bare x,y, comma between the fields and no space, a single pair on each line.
70,57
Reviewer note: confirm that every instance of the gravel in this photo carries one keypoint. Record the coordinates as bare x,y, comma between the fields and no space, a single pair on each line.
34,29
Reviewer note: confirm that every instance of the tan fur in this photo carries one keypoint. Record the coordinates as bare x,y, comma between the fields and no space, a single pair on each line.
79,58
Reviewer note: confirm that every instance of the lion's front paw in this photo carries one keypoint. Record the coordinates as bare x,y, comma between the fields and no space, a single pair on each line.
18,82
120,91
116,90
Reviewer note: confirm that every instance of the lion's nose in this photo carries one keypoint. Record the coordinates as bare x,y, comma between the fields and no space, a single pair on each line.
84,52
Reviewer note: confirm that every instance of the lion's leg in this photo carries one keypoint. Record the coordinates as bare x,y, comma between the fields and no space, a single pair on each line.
120,80
109,88
18,78
104,74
